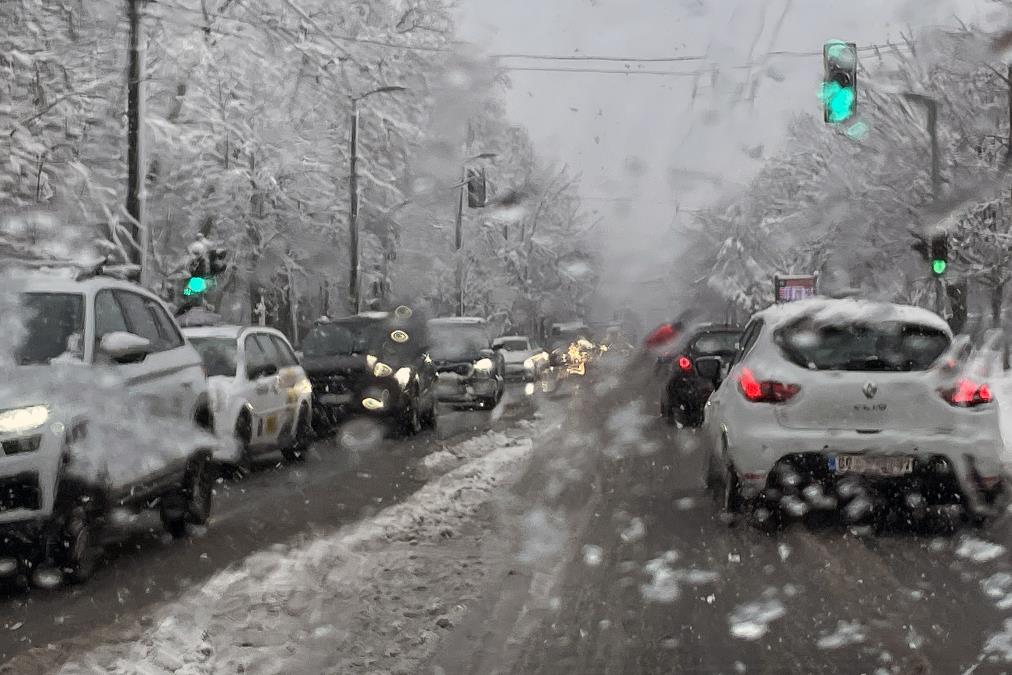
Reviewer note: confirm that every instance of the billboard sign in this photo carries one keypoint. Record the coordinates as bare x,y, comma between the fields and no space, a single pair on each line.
791,287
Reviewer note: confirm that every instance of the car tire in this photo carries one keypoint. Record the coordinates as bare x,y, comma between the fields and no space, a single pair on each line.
410,420
78,550
191,503
431,417
731,499
243,436
303,438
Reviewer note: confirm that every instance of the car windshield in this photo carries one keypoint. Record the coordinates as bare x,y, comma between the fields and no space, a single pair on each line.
513,344
217,353
889,346
54,327
449,342
724,342
336,340
609,189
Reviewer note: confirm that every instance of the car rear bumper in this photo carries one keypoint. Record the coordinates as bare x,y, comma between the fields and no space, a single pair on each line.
969,463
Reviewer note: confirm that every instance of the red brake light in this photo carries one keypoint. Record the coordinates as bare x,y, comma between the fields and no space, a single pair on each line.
767,391
967,394
685,364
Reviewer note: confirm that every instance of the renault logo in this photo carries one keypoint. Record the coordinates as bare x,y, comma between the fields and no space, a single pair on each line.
870,389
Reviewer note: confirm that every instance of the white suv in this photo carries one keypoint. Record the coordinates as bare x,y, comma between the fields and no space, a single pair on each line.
858,406
103,409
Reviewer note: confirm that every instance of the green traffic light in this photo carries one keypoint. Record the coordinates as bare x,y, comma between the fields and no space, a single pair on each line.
938,266
196,286
839,101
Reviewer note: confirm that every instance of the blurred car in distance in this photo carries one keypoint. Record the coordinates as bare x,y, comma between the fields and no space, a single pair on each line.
469,372
524,361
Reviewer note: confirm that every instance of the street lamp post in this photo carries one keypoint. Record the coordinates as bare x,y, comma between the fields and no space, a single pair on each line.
458,226
353,243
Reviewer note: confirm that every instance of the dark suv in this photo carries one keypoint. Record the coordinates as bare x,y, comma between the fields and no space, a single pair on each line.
471,373
685,390
372,364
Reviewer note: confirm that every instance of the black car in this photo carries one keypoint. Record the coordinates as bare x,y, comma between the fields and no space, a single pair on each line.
372,364
686,390
470,372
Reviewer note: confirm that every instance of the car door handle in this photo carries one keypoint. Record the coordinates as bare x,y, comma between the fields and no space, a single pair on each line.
263,388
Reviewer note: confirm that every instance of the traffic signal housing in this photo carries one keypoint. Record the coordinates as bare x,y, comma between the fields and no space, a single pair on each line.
477,188
839,84
205,263
939,253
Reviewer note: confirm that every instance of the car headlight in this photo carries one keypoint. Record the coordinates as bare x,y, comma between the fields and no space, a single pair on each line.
23,419
382,370
484,366
529,363
370,361
403,377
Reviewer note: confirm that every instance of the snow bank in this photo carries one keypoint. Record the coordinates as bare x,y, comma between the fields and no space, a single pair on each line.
312,607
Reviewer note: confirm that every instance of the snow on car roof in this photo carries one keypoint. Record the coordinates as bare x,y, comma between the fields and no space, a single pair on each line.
62,280
505,338
831,310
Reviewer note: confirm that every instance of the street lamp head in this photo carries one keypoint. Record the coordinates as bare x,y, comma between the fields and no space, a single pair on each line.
381,90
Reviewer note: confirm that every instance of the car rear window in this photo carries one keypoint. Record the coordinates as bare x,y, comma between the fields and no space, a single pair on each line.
717,342
865,346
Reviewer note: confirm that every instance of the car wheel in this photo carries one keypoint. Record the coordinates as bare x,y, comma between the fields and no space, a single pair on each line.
431,417
303,438
192,502
731,501
243,436
79,550
411,421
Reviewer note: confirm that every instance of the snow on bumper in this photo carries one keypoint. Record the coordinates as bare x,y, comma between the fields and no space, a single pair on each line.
971,456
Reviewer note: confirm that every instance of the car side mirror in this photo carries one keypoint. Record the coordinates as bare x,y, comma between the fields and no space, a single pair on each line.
710,368
264,370
123,347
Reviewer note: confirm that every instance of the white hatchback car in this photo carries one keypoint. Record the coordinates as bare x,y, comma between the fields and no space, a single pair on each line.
851,405
260,394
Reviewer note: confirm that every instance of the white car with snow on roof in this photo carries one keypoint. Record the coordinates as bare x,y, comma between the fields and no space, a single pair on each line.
864,407
261,397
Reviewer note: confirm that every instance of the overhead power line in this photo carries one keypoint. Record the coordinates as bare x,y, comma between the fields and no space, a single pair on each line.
670,59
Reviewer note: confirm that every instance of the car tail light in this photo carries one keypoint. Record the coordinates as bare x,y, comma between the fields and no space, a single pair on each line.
765,391
967,394
685,364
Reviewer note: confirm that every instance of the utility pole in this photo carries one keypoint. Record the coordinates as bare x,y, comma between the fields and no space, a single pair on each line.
353,284
931,105
354,290
135,175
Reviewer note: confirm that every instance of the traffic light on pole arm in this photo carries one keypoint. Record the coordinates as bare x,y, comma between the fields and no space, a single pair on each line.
839,84
205,263
939,253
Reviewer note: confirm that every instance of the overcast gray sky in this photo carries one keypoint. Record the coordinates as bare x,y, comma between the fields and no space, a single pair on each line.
643,137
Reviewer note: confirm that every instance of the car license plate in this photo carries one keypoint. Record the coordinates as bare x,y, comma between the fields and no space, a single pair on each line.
874,465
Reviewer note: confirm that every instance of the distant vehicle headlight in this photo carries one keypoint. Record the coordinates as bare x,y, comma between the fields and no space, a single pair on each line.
403,377
484,366
382,370
529,363
23,419
370,361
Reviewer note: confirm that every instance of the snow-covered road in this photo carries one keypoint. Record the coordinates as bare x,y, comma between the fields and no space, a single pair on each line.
373,596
